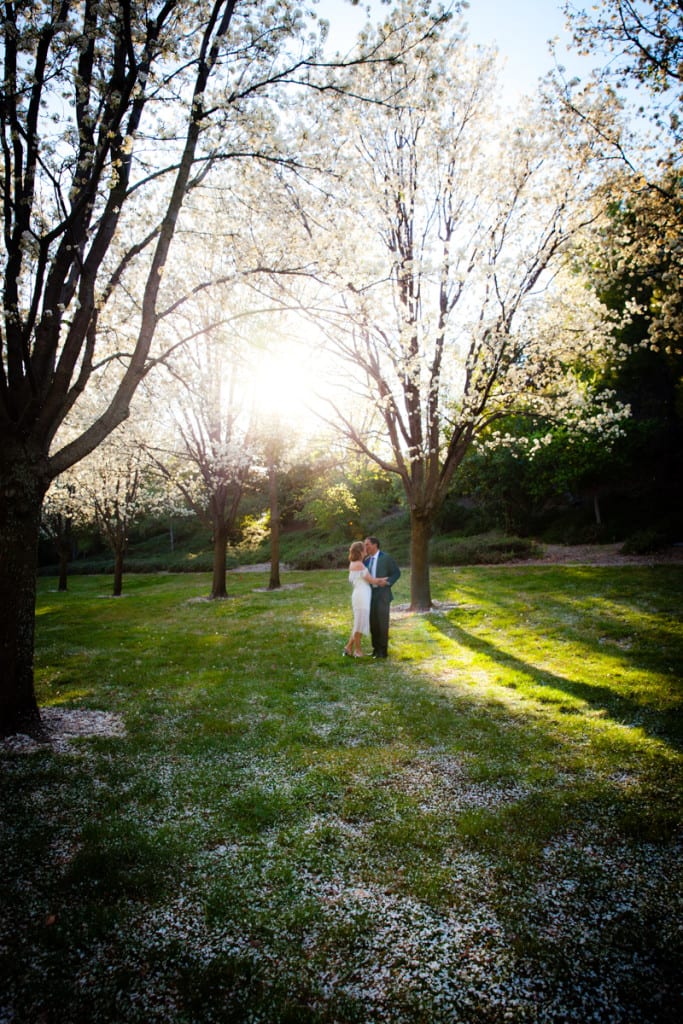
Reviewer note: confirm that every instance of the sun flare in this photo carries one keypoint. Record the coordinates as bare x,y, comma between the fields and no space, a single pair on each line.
290,378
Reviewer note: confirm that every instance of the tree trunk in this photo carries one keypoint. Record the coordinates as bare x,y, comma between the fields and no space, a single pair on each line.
274,583
220,543
63,568
64,546
118,573
23,482
420,589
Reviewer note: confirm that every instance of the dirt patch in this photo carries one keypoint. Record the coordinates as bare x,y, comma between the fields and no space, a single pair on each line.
283,586
64,725
600,554
558,554
259,567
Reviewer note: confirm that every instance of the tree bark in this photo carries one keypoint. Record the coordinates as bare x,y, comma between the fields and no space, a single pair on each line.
118,573
23,482
274,583
220,543
63,568
420,588
63,544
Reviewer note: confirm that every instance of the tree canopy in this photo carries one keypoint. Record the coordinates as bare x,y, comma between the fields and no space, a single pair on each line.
443,235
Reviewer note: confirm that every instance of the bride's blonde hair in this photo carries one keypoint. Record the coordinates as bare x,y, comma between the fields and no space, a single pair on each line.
356,551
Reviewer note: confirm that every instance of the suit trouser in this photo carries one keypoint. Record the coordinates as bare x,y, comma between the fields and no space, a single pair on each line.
380,606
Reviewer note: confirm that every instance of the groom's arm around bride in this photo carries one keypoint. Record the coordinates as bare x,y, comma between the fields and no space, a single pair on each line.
380,564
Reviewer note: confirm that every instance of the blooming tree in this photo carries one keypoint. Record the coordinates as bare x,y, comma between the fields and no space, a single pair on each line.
61,512
110,114
449,230
644,42
640,43
209,452
115,489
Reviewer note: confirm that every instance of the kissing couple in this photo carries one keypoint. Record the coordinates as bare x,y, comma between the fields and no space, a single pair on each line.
372,573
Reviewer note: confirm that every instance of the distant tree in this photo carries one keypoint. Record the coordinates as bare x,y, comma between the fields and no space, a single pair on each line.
61,510
332,506
633,262
637,259
115,490
636,262
274,448
209,453
526,466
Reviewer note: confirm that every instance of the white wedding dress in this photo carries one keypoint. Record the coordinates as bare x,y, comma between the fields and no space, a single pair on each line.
360,600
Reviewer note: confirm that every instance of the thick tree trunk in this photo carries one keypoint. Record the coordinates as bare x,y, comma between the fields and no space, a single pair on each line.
420,589
23,482
220,544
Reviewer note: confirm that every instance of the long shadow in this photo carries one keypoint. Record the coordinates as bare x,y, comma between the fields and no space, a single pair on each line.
588,588
661,726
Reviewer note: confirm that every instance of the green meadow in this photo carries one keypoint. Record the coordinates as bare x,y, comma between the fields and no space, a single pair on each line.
483,829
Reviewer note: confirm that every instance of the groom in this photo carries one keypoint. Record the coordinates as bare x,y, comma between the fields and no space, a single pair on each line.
380,563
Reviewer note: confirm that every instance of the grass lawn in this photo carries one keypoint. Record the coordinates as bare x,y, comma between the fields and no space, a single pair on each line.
485,828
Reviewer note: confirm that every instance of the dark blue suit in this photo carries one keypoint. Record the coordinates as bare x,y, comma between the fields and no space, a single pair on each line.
380,603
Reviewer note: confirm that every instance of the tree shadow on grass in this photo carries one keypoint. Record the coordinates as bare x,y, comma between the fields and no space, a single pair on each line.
665,726
635,615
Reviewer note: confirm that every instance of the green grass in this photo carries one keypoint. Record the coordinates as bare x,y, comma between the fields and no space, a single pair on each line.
485,828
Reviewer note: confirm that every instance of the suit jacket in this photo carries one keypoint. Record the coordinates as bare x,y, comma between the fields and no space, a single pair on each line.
386,566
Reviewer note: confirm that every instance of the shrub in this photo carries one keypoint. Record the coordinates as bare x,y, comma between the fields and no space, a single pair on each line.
489,549
330,558
644,542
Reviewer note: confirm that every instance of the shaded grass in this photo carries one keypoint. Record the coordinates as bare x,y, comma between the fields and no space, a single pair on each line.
485,827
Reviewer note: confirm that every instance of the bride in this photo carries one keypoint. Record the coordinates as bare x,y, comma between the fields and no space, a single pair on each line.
362,583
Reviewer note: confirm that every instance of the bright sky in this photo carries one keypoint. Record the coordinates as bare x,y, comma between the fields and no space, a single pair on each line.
520,29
